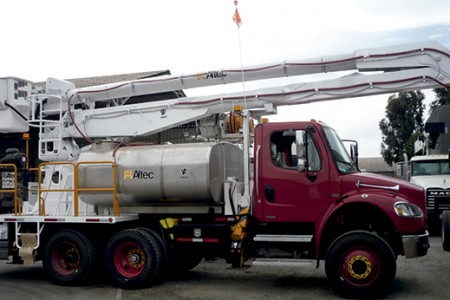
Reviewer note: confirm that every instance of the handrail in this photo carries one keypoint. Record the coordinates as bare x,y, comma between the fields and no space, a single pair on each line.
42,122
112,189
48,190
76,190
257,164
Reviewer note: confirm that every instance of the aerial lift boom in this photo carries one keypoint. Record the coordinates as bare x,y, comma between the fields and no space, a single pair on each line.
65,112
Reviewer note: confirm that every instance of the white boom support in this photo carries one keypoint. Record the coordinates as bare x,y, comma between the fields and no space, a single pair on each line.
396,68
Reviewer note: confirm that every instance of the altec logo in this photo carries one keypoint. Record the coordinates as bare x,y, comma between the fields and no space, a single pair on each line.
138,174
211,75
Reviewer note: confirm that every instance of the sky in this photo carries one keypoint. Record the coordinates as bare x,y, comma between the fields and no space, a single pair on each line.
83,38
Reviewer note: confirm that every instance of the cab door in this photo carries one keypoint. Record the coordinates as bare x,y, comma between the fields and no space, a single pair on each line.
285,193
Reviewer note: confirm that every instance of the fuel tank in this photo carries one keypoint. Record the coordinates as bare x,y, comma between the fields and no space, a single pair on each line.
161,174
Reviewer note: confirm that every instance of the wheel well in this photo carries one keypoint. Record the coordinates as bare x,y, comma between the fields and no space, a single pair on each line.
359,216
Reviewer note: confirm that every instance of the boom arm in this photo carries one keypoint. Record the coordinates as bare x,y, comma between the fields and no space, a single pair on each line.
394,58
393,69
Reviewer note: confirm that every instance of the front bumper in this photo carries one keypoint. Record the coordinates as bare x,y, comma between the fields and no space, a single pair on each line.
415,245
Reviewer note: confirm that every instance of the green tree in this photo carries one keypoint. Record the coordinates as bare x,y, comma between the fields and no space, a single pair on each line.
402,125
442,98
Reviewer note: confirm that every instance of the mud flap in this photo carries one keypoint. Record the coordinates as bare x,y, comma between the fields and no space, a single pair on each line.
27,251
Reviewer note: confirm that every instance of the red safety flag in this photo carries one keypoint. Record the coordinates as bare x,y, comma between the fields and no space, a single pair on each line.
236,16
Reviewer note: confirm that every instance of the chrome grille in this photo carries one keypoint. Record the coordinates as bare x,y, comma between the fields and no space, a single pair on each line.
438,199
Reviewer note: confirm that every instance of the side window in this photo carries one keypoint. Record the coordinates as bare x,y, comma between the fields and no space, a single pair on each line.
284,151
282,147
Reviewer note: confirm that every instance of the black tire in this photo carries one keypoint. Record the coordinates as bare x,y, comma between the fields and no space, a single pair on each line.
445,230
133,258
163,249
360,264
69,257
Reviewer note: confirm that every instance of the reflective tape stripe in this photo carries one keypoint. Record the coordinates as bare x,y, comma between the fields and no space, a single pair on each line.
197,240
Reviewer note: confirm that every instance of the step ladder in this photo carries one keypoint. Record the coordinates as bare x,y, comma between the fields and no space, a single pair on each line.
28,242
277,261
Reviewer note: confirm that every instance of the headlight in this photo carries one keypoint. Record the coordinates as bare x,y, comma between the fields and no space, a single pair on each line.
404,209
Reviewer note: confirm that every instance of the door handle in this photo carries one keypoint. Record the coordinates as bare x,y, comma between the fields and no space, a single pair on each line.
270,193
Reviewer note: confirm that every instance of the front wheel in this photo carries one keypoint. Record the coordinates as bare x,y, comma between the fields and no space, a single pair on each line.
360,264
445,230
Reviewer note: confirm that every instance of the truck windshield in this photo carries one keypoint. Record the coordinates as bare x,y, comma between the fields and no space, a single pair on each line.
340,155
429,167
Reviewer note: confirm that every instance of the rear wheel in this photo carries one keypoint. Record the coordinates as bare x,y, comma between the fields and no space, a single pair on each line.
69,257
163,249
360,264
445,230
132,257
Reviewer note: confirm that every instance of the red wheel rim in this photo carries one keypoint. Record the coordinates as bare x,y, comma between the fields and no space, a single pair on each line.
65,258
129,260
360,266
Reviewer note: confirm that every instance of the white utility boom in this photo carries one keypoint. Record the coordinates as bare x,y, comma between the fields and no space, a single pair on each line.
377,71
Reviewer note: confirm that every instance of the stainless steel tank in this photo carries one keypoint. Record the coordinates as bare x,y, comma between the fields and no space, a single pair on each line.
161,174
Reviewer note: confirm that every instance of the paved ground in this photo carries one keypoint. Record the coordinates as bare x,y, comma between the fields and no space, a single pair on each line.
423,278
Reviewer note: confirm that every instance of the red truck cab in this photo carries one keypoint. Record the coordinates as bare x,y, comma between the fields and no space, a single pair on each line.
306,188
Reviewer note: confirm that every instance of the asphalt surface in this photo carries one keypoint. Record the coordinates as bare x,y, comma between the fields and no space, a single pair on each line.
420,278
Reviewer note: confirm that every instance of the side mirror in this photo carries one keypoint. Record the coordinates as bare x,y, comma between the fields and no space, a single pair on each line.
300,142
354,154
353,151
